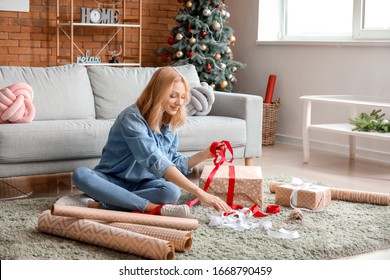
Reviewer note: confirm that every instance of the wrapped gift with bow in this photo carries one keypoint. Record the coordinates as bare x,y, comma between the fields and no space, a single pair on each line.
237,185
305,196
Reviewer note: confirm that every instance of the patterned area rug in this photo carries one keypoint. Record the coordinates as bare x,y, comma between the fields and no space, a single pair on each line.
343,229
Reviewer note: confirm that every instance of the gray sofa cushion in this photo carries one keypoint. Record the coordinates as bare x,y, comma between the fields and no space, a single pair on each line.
60,92
116,88
53,140
200,131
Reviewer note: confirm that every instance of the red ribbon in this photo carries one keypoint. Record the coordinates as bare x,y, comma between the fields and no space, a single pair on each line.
218,161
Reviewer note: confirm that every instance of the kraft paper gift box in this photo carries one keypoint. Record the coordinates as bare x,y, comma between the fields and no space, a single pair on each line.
248,187
305,196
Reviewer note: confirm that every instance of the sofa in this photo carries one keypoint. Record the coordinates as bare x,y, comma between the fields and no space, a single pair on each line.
76,105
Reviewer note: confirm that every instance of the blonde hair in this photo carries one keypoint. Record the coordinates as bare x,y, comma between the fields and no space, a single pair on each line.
157,91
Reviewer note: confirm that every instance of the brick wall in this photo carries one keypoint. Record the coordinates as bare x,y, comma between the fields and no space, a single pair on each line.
29,39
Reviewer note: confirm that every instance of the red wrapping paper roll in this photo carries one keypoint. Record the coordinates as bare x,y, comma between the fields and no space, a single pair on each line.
270,89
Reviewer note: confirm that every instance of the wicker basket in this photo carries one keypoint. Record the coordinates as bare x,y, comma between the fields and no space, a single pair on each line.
270,120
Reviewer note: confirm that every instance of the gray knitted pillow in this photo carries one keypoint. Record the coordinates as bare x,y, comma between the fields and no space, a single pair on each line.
202,99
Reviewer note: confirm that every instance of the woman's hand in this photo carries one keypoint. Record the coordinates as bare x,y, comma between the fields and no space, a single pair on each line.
220,148
214,201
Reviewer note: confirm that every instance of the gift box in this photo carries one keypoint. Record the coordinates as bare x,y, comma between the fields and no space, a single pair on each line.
248,184
305,196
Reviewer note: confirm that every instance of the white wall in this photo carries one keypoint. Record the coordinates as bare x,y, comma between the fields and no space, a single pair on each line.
307,70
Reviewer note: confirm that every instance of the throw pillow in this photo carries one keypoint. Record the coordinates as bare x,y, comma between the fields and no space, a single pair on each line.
16,104
201,101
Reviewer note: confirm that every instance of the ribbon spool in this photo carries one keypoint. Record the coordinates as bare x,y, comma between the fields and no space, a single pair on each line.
16,104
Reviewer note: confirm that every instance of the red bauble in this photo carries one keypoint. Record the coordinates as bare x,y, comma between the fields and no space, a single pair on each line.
203,33
189,27
171,40
218,6
191,53
164,57
208,67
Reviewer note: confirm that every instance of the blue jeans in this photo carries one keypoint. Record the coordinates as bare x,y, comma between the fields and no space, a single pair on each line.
117,194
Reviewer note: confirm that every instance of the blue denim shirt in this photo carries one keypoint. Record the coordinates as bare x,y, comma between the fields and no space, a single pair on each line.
134,152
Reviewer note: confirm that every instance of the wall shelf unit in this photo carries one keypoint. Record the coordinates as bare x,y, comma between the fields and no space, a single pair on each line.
91,39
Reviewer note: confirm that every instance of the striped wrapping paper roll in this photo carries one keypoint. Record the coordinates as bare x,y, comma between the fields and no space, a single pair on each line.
349,195
95,233
181,239
124,217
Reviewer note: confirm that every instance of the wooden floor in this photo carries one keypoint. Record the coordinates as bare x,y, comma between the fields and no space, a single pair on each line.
330,169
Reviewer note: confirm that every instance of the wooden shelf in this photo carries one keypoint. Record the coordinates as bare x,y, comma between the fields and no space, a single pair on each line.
66,26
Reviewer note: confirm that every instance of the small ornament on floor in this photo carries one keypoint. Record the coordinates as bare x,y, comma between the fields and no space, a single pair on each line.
296,214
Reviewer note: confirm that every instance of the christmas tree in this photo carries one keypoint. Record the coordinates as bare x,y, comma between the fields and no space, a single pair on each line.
202,38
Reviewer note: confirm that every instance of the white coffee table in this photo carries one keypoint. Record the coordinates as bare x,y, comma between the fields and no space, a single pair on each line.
352,101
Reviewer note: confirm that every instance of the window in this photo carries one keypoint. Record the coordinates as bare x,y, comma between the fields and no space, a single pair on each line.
322,20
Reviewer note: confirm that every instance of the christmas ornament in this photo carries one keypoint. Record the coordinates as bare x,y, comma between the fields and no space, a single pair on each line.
189,4
171,40
223,66
227,15
228,50
296,214
234,69
206,12
203,33
216,25
191,53
223,84
164,57
223,13
229,76
217,56
192,40
203,47
208,68
179,54
232,39
179,36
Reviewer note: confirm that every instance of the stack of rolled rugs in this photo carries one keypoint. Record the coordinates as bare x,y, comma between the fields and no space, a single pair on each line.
350,195
149,236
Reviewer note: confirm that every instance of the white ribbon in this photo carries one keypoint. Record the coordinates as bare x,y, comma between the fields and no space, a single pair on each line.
298,185
237,220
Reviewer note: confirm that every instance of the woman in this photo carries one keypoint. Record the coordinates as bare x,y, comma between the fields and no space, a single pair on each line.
140,168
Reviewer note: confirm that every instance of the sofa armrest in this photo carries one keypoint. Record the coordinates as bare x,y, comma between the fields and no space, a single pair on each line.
247,107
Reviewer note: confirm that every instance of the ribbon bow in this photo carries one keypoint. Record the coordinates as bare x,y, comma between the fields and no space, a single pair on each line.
299,185
218,161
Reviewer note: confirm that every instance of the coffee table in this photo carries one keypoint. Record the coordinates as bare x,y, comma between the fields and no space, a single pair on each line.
352,101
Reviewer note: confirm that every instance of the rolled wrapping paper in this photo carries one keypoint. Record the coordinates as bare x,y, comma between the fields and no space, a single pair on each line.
181,239
124,217
95,233
360,196
349,195
270,89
